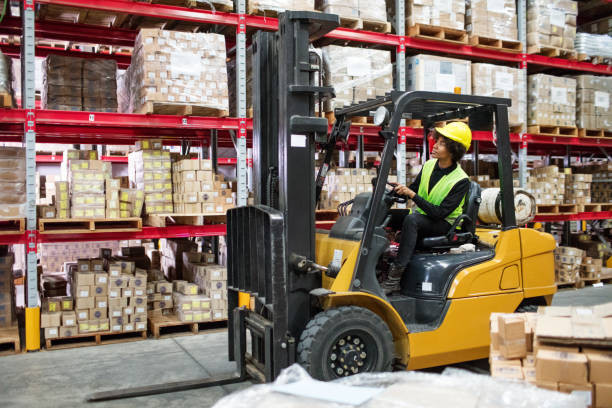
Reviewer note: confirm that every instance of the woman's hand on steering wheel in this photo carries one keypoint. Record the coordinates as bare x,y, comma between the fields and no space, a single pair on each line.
396,192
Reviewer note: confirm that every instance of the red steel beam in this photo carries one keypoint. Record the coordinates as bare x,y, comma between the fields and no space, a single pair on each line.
567,64
14,51
584,216
73,32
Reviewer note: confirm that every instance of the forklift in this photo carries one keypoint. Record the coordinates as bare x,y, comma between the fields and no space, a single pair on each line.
301,295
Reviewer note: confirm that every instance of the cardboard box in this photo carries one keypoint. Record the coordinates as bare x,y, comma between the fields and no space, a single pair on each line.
67,303
84,265
68,331
85,303
114,270
101,278
128,327
103,325
101,302
563,367
99,313
603,395
51,332
119,282
83,326
82,315
506,370
100,290
50,320
69,319
93,326
164,287
600,366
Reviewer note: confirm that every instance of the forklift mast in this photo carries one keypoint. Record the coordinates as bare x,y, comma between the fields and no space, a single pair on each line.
271,245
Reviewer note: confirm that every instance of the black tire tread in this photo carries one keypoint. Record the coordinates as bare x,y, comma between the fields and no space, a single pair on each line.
317,328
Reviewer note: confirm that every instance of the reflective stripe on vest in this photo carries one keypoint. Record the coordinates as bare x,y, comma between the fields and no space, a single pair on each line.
439,192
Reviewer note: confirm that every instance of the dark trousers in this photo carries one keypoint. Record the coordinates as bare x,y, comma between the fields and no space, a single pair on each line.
417,226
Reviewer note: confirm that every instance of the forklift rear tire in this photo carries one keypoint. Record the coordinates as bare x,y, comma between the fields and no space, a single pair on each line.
345,341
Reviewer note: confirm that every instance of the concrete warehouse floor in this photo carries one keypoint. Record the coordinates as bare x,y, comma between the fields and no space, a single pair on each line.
63,378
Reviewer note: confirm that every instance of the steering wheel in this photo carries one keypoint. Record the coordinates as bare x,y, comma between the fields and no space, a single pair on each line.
396,198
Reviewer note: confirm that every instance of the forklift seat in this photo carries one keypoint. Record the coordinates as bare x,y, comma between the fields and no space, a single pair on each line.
463,230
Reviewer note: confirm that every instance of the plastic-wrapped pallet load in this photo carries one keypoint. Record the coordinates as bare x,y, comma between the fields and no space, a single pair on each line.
491,18
62,83
356,74
149,169
453,388
502,82
578,188
594,45
374,10
343,184
593,94
86,179
75,84
12,182
438,74
551,100
440,13
6,91
172,68
272,7
551,24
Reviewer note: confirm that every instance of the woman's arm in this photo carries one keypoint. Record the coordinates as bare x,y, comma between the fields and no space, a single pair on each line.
448,205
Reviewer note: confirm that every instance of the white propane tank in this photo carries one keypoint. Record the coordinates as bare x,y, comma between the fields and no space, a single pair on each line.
490,207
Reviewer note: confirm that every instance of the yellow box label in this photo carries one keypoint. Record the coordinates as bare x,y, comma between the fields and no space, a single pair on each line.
186,306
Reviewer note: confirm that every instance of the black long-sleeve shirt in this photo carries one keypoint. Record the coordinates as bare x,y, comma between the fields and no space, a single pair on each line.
450,202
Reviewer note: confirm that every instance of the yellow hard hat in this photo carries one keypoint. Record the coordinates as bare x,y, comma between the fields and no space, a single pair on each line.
457,131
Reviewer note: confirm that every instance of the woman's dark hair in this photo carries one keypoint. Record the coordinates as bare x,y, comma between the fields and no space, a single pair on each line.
456,149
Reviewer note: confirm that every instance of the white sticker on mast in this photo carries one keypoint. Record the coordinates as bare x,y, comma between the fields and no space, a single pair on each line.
241,165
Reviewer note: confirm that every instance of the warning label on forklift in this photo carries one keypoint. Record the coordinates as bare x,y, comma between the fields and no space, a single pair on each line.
337,259
426,286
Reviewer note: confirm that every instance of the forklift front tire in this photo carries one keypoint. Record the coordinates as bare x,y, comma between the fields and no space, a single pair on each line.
344,341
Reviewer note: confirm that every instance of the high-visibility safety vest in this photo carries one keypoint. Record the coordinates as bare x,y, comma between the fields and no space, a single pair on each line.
439,192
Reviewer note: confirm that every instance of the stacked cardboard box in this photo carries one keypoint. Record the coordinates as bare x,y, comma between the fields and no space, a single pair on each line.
159,297
87,179
58,318
441,13
172,67
6,81
568,263
511,353
76,84
578,188
551,100
551,24
593,109
374,10
590,268
502,82
563,357
493,19
12,182
547,185
53,256
190,306
62,199
127,297
356,74
343,184
601,26
149,170
197,189
601,188
131,201
172,256
438,74
6,290
211,279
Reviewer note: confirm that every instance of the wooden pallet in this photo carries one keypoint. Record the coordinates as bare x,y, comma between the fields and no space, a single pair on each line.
517,128
589,207
170,326
570,285
6,100
594,133
267,12
86,225
376,25
570,131
354,23
557,209
549,51
435,33
590,281
181,109
94,339
9,341
163,220
489,43
197,4
606,277
11,226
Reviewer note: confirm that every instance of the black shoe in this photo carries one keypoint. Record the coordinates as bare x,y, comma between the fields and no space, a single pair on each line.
394,277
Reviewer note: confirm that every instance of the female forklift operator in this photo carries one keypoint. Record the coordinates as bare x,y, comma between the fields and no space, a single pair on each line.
438,194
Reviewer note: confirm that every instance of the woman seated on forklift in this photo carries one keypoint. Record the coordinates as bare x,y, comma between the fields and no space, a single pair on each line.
438,194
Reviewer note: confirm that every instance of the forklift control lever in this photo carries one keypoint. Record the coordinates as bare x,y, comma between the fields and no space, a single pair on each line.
302,264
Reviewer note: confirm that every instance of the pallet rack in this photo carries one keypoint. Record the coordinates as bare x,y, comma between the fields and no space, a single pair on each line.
31,125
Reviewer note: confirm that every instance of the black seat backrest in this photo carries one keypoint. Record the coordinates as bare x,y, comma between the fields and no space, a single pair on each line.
471,207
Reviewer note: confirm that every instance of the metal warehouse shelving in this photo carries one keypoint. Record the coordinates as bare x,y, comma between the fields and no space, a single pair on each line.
33,125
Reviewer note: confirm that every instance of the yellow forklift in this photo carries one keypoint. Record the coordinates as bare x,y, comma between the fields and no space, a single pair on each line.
297,294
